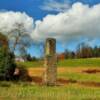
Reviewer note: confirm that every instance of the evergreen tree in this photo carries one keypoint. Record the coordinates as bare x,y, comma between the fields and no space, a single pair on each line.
7,65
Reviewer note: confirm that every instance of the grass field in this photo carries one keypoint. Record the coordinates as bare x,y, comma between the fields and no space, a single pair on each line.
90,62
23,91
80,85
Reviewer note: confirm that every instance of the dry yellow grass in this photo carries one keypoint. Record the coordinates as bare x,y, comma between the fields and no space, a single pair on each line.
38,71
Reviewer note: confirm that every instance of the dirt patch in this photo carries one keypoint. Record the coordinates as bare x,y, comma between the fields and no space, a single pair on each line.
36,79
94,84
91,71
60,81
86,83
35,76
64,81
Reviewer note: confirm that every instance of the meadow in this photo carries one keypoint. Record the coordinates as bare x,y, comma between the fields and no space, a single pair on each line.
26,91
79,79
89,62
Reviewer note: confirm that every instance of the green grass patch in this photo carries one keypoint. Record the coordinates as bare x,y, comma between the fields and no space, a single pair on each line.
31,64
89,62
81,77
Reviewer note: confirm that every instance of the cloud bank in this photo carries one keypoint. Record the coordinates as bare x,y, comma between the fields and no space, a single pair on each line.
77,22
10,20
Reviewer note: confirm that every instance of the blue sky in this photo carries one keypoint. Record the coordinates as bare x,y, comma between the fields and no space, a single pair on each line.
33,9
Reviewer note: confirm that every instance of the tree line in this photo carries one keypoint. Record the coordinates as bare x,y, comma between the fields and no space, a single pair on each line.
83,51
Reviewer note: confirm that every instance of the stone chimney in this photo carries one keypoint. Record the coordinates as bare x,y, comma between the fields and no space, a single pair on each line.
50,62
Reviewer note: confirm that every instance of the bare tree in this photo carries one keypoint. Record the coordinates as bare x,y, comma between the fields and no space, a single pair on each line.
19,38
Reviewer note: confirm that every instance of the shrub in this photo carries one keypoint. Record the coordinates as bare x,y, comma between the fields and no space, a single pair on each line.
7,65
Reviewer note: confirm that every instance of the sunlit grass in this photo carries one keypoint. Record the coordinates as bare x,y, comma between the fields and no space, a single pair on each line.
24,91
89,62
33,64
72,91
80,76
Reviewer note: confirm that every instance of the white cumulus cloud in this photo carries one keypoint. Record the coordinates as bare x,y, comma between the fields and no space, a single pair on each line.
79,21
10,20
